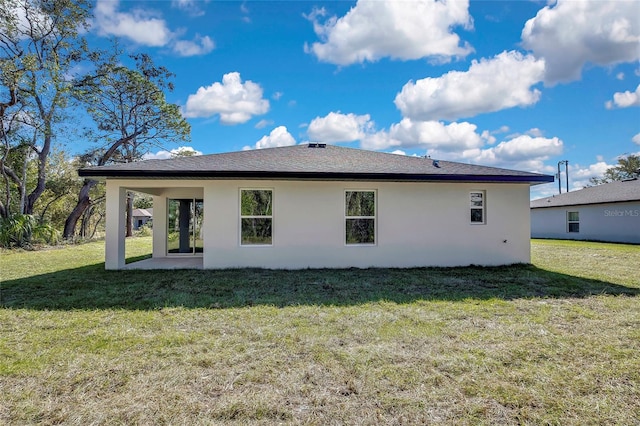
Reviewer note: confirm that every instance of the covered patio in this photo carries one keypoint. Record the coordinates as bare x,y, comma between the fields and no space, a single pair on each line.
177,223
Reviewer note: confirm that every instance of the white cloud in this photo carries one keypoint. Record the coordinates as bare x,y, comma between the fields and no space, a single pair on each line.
142,26
374,29
524,148
620,76
579,176
624,99
431,135
636,139
263,123
235,101
244,9
146,27
279,136
180,151
593,170
338,127
199,46
571,33
489,85
523,152
535,132
276,96
192,7
26,13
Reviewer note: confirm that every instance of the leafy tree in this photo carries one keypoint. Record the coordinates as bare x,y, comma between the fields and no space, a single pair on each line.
142,201
40,44
131,115
627,168
61,189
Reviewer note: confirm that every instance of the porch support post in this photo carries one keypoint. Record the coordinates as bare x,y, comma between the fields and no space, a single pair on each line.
115,226
159,226
184,218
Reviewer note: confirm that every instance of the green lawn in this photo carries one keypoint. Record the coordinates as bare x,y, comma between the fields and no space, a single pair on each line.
556,342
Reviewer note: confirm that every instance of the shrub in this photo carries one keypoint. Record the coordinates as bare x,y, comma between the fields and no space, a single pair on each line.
23,230
144,230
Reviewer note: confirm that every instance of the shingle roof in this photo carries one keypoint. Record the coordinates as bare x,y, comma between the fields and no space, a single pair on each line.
614,192
304,162
141,213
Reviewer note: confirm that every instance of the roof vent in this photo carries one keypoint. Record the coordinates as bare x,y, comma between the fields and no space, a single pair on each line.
436,163
317,145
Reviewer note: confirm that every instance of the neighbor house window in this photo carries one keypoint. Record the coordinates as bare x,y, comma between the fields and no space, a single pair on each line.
256,216
573,222
477,204
360,217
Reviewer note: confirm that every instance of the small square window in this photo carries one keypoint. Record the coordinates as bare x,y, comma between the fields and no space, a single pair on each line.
573,221
477,207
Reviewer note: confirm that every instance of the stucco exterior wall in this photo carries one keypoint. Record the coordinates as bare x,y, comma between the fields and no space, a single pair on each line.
613,222
417,224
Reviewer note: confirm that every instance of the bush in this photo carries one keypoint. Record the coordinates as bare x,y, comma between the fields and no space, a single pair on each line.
23,230
144,230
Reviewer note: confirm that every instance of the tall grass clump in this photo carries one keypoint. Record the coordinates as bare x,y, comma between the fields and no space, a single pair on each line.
24,230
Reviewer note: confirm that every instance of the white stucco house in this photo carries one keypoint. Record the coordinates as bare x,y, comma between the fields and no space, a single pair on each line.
321,206
608,212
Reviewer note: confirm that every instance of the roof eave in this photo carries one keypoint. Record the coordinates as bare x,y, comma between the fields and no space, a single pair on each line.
578,204
280,175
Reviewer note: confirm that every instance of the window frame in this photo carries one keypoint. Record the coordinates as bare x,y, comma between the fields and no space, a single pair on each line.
573,222
241,217
374,218
482,208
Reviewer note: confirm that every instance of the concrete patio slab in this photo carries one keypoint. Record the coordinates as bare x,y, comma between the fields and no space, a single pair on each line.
167,263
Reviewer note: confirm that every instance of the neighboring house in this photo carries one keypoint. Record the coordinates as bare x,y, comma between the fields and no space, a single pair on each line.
607,212
323,206
141,217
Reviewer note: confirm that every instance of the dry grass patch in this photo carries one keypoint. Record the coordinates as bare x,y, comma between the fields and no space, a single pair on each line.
368,347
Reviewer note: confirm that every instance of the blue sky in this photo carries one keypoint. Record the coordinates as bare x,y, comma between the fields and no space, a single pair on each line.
515,84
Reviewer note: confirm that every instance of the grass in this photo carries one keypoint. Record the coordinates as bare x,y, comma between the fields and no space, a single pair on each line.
556,342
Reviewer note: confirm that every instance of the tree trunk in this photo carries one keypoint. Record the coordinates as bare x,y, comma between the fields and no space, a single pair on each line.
83,197
9,174
83,202
43,153
86,221
95,226
22,208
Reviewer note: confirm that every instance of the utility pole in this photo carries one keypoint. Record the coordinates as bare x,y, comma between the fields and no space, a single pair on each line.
566,173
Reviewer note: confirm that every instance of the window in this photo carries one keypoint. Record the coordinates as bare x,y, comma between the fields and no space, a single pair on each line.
573,222
256,216
477,207
360,217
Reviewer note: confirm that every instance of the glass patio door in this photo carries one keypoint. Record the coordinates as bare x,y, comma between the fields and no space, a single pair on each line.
184,223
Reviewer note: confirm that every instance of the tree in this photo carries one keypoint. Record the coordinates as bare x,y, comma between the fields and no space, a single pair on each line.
131,115
40,43
628,168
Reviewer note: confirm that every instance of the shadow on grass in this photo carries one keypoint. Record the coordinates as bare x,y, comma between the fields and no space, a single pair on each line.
91,287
